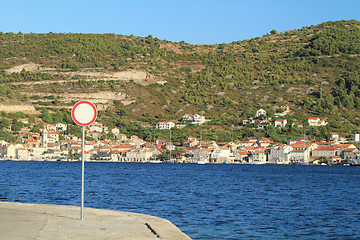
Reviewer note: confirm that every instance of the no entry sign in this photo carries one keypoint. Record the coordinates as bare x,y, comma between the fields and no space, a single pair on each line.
84,113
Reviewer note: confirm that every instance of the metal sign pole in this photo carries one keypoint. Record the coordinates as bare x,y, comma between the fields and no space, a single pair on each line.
84,114
82,172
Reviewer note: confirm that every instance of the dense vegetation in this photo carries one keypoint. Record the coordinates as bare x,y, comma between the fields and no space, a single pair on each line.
314,70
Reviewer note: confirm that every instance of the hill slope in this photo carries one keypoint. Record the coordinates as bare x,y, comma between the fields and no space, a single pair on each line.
314,70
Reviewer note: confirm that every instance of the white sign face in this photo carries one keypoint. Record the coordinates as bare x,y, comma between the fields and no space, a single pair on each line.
84,113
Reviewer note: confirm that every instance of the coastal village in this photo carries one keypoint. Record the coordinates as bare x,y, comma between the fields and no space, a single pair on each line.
47,146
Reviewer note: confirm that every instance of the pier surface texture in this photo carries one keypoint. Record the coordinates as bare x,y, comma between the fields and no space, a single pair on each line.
51,222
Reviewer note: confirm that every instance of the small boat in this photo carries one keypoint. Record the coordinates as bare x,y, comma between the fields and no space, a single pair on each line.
153,161
301,163
169,161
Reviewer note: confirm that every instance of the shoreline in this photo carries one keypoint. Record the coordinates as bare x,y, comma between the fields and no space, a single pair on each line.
210,163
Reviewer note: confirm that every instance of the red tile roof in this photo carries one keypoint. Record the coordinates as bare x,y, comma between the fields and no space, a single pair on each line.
326,148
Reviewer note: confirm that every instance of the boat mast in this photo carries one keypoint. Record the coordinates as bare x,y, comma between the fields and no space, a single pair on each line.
170,144
304,146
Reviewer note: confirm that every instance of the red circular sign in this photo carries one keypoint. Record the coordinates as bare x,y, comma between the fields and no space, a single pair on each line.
84,113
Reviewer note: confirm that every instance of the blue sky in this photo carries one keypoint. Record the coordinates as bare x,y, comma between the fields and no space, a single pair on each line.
196,21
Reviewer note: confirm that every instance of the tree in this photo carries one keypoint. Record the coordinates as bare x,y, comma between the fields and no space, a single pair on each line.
4,123
16,126
46,116
69,64
272,32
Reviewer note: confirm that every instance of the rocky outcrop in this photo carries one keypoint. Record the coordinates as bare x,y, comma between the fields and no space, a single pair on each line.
18,108
31,67
106,95
139,76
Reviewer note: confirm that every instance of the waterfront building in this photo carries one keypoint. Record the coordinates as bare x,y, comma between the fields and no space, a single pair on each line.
115,155
258,157
8,151
138,155
104,154
279,154
36,152
304,146
334,160
241,155
350,154
22,153
342,147
201,155
221,154
300,155
32,142
325,151
86,154
121,147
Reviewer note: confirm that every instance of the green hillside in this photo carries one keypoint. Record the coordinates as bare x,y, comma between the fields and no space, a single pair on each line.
314,70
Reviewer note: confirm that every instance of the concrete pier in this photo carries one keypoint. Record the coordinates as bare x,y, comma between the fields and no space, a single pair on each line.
54,222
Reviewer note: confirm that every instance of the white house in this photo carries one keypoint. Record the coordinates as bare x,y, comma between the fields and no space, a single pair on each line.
23,120
96,127
136,141
264,142
258,157
335,160
22,153
122,137
241,155
336,137
300,155
260,112
356,137
36,152
104,154
315,121
138,155
115,131
50,127
280,122
325,151
53,135
222,154
202,155
188,117
350,154
165,125
194,119
279,154
61,127
8,151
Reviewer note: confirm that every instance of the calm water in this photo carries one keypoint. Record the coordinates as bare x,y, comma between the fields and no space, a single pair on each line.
204,201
